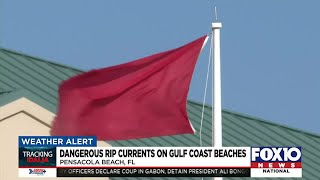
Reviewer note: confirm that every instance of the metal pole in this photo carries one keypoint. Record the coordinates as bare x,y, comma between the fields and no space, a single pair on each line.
216,86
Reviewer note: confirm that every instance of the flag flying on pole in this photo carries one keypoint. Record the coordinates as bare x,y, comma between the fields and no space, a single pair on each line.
139,99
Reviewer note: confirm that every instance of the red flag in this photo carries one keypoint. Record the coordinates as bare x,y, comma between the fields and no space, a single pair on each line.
140,99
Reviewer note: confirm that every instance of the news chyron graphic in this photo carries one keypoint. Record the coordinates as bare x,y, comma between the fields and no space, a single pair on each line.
276,162
37,154
67,156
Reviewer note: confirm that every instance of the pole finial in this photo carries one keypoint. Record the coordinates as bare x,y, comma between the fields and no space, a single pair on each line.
215,13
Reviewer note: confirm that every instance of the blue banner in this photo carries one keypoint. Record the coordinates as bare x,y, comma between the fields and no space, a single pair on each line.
56,141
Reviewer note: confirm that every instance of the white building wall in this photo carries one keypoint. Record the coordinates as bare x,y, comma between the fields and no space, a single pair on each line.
22,118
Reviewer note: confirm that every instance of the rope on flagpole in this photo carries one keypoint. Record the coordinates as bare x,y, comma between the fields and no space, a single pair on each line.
205,91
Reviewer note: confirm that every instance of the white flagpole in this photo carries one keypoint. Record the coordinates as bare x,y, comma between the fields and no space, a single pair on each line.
216,86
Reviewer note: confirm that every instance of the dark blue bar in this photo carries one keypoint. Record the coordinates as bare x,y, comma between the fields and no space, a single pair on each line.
57,141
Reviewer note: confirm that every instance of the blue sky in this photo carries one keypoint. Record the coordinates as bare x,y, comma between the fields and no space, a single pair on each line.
270,49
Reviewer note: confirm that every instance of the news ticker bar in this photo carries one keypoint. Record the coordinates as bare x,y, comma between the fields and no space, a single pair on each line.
153,172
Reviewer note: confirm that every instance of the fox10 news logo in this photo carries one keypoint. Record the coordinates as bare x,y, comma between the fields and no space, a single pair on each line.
276,162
